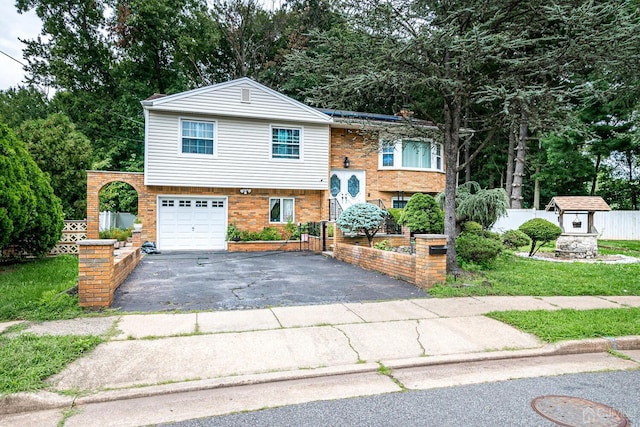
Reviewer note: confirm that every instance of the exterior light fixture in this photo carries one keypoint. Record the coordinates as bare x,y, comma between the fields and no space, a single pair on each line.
245,191
347,163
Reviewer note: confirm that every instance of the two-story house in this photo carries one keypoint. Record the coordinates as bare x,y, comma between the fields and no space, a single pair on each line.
239,152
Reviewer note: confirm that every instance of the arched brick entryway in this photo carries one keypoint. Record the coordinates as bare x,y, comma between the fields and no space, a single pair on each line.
96,180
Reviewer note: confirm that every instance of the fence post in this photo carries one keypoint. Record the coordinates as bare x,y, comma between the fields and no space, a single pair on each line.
431,267
95,273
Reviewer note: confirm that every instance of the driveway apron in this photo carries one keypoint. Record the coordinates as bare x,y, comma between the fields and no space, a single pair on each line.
239,280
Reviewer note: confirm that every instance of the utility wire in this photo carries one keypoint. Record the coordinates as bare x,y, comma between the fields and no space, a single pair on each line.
11,57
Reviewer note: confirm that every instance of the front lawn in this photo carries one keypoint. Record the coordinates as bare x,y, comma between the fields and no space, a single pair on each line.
514,275
623,247
27,360
35,289
567,324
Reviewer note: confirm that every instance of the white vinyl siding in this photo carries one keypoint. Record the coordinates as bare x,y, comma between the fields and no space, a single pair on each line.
242,155
227,100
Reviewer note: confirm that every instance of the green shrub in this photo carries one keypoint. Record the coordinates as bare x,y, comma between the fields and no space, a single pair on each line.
267,234
477,249
361,218
540,230
270,233
383,245
44,228
514,239
118,234
233,233
472,227
16,198
422,215
30,214
395,213
474,203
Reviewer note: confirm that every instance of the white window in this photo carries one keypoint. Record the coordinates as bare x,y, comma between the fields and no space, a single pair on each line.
411,154
280,209
388,155
197,137
285,142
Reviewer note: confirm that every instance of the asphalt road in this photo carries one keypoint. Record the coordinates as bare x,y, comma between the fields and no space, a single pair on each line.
505,403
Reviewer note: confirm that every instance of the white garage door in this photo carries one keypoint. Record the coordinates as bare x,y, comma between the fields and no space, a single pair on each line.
192,223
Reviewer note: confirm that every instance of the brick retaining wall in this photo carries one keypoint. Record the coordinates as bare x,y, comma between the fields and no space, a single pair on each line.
100,272
394,264
422,269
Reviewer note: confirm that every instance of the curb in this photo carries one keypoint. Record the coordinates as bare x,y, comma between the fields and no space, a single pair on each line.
45,400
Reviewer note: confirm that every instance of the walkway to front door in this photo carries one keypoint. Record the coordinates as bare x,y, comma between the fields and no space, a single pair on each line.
223,281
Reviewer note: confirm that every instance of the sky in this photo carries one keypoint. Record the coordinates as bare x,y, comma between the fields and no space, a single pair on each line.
12,27
27,26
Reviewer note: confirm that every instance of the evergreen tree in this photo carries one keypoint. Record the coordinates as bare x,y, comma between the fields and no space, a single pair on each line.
30,214
64,154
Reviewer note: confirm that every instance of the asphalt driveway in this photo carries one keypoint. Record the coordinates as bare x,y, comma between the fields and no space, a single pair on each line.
226,281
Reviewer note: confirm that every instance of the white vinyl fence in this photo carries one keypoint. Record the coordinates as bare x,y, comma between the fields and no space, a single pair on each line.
109,220
613,225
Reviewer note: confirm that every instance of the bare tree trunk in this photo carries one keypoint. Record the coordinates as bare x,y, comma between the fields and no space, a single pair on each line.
634,194
536,185
595,177
452,109
467,146
518,173
536,190
511,154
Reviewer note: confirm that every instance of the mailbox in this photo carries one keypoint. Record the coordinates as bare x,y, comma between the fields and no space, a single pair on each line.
438,250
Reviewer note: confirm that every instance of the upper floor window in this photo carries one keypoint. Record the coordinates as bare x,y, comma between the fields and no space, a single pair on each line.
285,143
197,137
411,154
387,155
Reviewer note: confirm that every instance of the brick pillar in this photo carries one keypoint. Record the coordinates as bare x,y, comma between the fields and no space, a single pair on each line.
93,207
430,269
406,232
136,238
95,273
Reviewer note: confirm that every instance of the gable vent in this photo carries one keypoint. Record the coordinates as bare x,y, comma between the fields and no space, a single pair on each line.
245,95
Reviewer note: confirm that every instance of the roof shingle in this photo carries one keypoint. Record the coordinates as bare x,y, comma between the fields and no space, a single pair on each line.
578,203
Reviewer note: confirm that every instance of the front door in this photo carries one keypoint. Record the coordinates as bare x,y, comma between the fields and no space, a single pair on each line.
347,187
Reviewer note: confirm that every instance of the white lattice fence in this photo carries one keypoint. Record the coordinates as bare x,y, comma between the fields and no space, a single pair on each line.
73,231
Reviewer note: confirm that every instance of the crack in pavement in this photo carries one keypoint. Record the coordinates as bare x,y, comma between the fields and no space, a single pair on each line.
348,342
424,350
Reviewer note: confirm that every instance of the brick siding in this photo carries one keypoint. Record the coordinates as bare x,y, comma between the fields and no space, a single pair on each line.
380,184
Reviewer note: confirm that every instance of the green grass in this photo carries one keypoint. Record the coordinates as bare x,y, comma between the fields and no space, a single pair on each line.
514,275
27,360
567,324
34,289
624,247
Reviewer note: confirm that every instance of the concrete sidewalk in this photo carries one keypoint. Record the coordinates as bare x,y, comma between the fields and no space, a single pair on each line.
158,354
